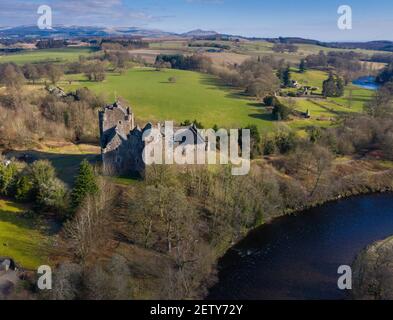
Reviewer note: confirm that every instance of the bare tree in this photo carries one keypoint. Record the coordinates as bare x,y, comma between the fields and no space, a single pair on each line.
91,227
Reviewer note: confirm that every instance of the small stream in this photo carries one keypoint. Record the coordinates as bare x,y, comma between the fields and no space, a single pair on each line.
297,257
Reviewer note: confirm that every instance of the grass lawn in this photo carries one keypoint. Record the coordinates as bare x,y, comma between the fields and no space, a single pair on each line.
356,102
47,55
193,96
20,238
201,97
324,109
312,78
359,96
315,78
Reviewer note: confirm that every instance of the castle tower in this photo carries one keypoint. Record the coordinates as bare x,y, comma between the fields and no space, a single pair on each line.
115,122
116,116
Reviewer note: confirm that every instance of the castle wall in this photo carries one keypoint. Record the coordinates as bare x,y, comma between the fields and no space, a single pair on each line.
121,142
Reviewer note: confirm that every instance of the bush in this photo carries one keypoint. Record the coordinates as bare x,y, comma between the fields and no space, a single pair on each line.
23,188
292,94
8,174
269,147
281,112
53,195
47,190
285,141
270,101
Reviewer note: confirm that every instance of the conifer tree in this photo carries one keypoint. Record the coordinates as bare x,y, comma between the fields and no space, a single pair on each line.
302,66
85,184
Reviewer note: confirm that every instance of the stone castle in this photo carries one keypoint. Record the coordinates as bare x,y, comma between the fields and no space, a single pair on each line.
122,144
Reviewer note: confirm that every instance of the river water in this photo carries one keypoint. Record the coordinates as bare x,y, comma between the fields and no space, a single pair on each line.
366,83
297,256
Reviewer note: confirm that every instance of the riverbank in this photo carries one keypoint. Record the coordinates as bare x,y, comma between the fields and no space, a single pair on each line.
373,272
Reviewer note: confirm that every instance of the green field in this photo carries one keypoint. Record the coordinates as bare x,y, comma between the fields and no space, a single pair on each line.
49,55
331,108
193,96
312,78
200,96
358,98
256,48
20,238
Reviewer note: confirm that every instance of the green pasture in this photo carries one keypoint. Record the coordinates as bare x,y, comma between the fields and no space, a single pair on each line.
20,237
47,55
194,96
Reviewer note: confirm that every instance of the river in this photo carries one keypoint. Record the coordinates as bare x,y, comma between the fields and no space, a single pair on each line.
367,82
297,256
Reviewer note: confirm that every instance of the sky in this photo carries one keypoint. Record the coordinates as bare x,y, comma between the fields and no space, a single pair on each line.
313,19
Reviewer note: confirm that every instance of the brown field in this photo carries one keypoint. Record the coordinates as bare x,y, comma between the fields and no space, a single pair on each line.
226,58
375,66
150,55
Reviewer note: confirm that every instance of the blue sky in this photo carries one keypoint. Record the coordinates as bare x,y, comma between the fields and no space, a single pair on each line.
372,20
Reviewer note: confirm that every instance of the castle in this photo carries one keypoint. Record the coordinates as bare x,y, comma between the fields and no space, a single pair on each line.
121,140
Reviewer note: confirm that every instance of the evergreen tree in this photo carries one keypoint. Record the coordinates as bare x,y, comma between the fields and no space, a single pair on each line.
287,77
339,87
302,66
281,112
386,75
333,86
280,74
329,86
85,184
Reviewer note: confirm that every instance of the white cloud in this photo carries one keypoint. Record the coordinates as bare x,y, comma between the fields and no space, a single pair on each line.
75,12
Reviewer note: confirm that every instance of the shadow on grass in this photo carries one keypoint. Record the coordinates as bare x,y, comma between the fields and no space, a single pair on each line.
237,94
149,70
256,104
216,83
262,116
17,219
66,165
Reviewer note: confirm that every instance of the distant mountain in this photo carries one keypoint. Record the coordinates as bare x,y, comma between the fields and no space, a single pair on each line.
77,31
69,32
200,33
